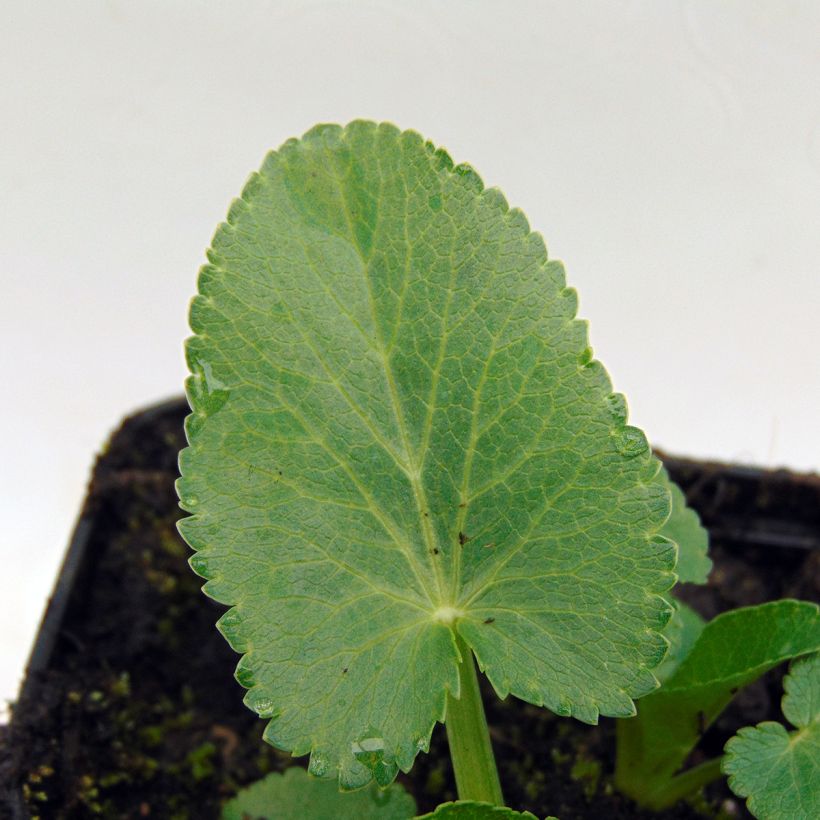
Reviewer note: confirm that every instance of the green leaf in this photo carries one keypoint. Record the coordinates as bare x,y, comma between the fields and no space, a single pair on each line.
778,771
295,795
682,632
470,810
732,650
399,434
684,528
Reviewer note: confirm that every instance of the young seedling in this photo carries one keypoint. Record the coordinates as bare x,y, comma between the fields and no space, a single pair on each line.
708,664
780,771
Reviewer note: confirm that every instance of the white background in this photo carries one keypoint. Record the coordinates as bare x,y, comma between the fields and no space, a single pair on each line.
669,152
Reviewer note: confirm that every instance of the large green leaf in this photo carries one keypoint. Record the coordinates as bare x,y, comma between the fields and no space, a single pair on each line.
295,795
728,653
780,771
399,433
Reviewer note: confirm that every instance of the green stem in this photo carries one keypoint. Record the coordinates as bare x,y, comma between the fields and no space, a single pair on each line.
684,784
469,737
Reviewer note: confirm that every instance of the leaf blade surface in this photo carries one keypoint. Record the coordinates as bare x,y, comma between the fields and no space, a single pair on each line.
294,795
778,771
723,656
398,431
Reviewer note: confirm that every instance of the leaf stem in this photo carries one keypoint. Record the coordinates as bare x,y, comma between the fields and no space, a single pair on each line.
684,784
469,738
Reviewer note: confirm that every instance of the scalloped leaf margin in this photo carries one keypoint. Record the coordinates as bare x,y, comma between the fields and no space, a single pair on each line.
398,431
779,771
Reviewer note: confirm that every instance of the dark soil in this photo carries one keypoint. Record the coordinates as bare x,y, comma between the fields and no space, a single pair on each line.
136,713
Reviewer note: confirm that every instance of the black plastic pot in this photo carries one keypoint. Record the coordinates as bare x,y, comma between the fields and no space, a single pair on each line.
128,708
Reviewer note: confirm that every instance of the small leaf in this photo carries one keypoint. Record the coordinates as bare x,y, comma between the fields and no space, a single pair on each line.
801,703
682,632
295,795
731,651
779,772
694,565
469,810
399,435
684,528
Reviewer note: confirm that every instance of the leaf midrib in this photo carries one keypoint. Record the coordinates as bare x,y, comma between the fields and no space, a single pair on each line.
414,474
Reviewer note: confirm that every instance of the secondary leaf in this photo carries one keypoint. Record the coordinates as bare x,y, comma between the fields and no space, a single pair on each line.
731,651
399,433
778,771
469,810
684,528
682,632
295,795
694,565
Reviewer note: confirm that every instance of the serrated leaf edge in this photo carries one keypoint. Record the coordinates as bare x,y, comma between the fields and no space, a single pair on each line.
203,404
